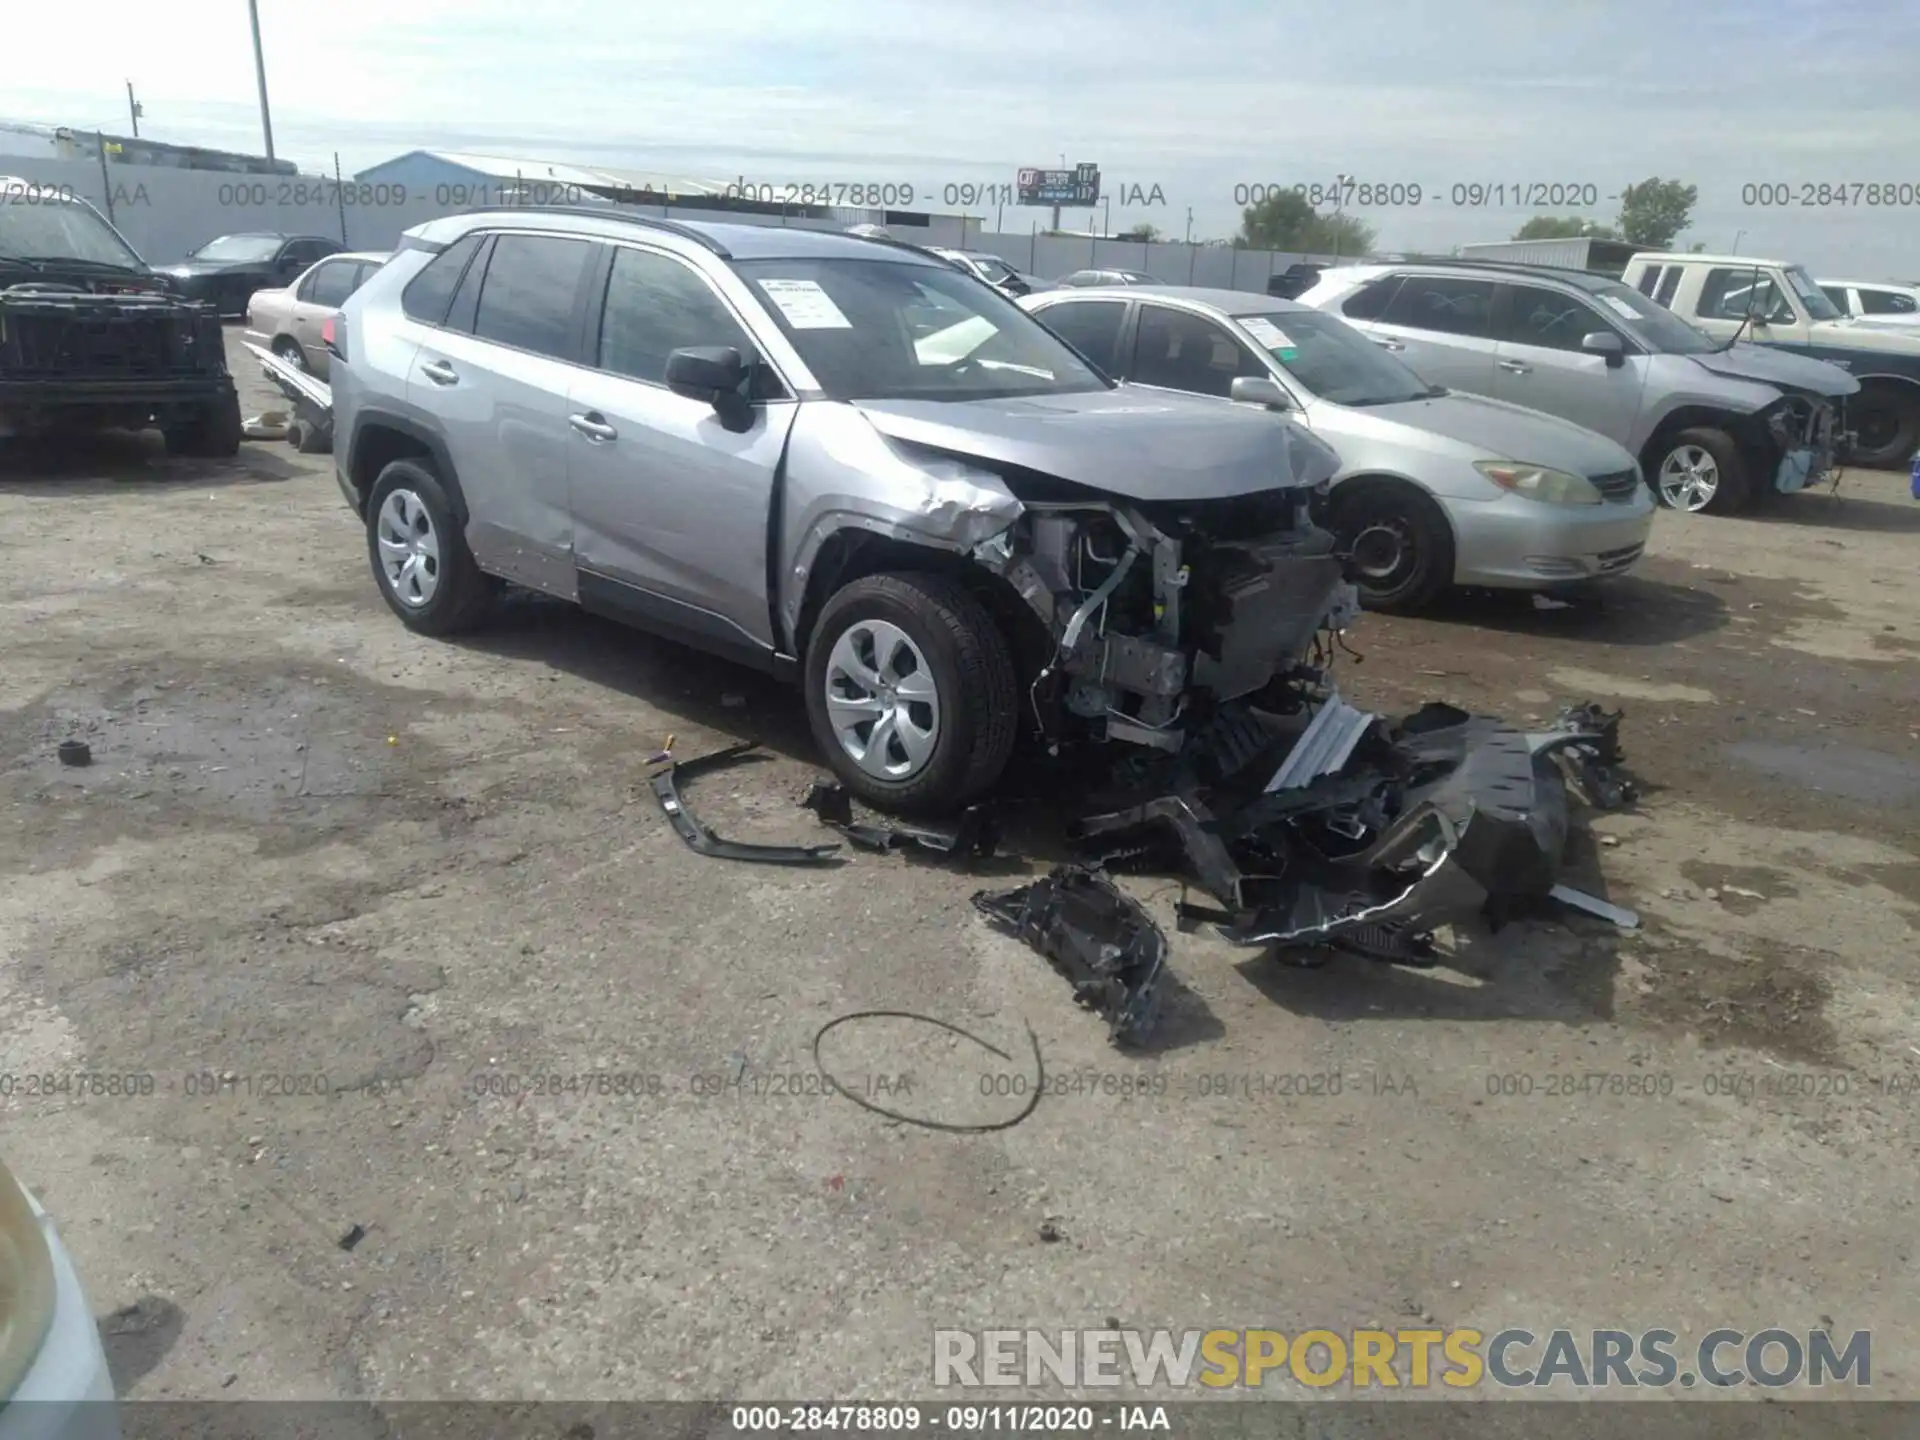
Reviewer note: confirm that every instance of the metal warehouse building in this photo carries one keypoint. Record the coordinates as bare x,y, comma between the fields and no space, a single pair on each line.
1603,257
463,180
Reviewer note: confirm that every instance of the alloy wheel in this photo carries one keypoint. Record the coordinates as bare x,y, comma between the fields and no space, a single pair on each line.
1689,478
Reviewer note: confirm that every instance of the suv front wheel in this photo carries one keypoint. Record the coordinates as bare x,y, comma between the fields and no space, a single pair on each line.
910,691
421,562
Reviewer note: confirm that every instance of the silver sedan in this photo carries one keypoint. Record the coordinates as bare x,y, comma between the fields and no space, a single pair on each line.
1434,487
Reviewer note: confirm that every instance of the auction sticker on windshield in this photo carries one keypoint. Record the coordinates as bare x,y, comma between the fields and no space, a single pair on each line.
1270,335
1620,307
806,305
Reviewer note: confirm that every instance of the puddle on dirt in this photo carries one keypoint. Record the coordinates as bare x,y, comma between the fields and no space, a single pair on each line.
1770,996
1851,771
1742,889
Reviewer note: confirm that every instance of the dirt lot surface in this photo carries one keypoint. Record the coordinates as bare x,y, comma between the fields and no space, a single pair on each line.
312,844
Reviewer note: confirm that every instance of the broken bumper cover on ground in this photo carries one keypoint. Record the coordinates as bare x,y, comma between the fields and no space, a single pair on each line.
1112,954
1370,835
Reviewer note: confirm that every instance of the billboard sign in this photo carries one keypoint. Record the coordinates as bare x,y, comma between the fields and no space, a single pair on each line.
1078,186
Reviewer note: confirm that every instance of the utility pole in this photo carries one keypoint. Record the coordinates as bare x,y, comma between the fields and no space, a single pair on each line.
260,73
1189,225
133,110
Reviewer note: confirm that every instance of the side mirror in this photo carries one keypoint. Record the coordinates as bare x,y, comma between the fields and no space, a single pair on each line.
706,372
1260,390
1605,342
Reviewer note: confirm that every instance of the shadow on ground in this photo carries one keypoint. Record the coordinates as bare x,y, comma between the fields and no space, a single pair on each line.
1822,511
109,462
1636,610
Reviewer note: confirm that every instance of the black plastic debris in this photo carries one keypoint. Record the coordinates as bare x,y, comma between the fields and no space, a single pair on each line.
1369,833
704,841
75,753
1106,946
975,835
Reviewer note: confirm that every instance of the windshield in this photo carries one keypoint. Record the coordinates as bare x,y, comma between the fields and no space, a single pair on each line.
40,229
888,330
1334,361
240,248
1819,307
1653,325
993,267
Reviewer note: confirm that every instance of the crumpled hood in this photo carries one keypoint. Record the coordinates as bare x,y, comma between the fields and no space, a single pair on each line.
1142,444
1495,429
1772,366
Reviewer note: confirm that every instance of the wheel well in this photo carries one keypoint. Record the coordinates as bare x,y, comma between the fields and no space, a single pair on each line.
850,555
1356,487
378,445
283,342
1746,434
1896,383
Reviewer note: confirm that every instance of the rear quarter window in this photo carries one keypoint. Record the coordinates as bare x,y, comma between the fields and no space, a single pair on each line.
430,292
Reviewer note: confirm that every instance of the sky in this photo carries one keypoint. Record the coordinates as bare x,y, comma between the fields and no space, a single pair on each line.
1198,99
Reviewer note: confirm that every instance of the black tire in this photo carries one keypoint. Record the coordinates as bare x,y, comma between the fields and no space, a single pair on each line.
973,676
1367,517
1733,487
213,434
463,593
288,349
1885,420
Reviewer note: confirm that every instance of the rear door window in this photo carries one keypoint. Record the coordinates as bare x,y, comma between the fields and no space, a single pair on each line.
332,283
530,295
1443,303
1091,326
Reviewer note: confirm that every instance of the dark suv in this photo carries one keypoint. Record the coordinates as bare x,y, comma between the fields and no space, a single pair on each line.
90,337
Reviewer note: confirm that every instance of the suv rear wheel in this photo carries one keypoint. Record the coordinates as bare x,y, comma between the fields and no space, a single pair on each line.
910,692
421,562
1700,469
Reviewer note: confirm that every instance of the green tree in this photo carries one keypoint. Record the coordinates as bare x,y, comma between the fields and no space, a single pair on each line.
1141,233
1285,221
1564,227
1656,210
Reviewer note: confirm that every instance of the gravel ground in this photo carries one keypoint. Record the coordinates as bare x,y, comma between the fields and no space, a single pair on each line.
313,845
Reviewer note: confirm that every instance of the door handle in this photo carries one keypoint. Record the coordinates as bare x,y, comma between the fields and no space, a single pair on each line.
440,372
593,425
1385,344
1515,367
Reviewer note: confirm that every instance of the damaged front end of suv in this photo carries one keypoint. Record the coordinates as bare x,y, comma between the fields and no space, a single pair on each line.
1147,575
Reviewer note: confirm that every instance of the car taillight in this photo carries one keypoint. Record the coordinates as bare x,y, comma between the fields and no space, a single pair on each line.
333,335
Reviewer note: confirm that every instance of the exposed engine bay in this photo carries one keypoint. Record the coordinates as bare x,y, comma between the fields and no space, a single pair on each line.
1805,431
1162,613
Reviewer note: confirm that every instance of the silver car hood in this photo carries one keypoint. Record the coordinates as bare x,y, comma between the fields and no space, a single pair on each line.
1141,444
1499,430
1772,366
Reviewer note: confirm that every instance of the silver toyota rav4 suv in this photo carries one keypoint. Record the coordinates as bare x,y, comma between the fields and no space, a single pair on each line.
835,458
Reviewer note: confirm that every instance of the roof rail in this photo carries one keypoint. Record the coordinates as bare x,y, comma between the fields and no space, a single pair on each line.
926,250
613,212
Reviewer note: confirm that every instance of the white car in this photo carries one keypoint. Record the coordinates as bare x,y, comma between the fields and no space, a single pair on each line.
54,1383
1878,302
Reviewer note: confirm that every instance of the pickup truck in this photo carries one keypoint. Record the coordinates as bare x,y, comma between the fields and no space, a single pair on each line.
1773,302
